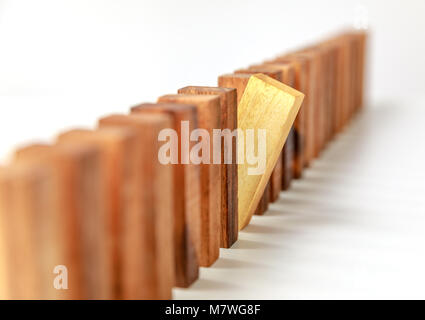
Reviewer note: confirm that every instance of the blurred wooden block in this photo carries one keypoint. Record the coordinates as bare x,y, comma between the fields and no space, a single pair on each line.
4,288
25,204
330,61
229,172
208,108
147,250
119,152
187,206
79,216
264,104
294,75
237,81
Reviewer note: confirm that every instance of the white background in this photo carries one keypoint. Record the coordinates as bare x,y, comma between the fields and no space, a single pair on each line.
65,63
354,227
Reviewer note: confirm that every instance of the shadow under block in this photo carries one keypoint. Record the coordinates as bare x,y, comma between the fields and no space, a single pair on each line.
76,226
147,250
187,206
119,154
24,200
229,171
208,109
270,105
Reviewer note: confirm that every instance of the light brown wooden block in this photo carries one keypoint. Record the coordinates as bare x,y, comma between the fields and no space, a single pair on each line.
263,106
147,234
79,216
289,162
229,172
208,108
119,154
187,206
294,75
25,203
275,185
4,287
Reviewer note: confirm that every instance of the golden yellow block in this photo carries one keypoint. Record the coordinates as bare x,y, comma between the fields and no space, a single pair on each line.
270,105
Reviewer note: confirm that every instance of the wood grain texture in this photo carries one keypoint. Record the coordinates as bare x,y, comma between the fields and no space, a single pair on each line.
274,187
147,250
78,219
263,204
288,161
187,206
304,81
264,104
316,84
229,172
294,75
237,81
208,108
24,203
119,154
4,288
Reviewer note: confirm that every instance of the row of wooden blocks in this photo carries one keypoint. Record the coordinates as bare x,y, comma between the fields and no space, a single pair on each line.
99,203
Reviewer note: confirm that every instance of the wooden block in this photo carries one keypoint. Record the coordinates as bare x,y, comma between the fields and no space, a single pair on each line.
288,162
331,59
147,250
264,104
263,204
187,206
4,287
78,218
119,155
24,203
316,95
208,108
275,186
229,172
237,81
305,83
294,76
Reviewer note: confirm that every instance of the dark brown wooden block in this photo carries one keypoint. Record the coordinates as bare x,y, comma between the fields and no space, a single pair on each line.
263,205
305,83
147,249
208,108
229,172
187,206
237,81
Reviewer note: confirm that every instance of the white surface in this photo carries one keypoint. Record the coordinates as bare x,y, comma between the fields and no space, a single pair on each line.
353,227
